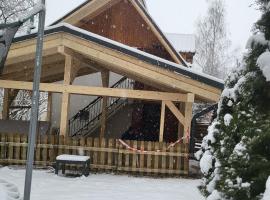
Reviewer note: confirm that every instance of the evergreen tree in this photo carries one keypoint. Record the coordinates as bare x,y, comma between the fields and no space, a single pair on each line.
235,155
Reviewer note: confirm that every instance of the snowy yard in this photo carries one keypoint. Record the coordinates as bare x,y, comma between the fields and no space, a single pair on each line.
46,186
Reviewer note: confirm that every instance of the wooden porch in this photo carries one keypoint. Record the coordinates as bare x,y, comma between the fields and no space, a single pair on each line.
67,56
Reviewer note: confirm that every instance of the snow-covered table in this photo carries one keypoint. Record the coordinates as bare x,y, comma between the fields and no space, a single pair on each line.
73,159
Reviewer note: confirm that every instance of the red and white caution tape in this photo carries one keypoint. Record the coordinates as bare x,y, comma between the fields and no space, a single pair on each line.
143,151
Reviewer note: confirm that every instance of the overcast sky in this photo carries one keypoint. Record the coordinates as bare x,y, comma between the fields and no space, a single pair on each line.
180,16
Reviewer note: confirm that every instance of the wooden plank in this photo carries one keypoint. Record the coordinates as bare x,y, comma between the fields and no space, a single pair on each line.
49,107
44,150
163,158
186,158
134,156
149,157
120,147
61,143
188,116
162,121
10,148
126,157
142,71
176,112
17,150
96,155
38,149
97,91
110,155
102,154
171,159
64,114
156,158
65,96
6,104
3,147
142,157
178,159
52,153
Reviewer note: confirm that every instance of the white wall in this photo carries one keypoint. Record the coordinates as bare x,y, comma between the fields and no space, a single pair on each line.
78,102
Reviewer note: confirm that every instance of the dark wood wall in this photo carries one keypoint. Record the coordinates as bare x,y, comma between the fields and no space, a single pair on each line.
124,24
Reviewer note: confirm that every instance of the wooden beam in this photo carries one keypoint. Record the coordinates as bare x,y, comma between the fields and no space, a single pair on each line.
65,96
136,69
188,117
26,54
85,62
162,121
57,58
176,112
97,91
105,77
64,114
6,104
90,10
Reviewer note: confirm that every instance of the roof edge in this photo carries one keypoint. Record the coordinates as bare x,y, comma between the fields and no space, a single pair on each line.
146,57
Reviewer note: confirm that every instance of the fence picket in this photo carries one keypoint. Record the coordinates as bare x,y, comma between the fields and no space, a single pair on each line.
105,154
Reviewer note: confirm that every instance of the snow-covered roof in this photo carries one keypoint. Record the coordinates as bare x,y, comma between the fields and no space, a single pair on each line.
146,57
182,42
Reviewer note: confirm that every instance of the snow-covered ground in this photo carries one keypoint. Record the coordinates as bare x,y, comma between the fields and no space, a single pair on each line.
46,186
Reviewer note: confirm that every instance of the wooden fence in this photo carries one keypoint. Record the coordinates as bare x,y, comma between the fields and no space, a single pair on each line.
153,158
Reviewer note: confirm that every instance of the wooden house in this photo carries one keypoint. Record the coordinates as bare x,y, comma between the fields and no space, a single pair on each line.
109,71
119,34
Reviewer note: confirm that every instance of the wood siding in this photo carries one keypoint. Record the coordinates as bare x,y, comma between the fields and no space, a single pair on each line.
123,23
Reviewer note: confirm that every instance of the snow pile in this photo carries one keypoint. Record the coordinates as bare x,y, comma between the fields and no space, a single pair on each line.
266,195
264,63
3,193
268,6
66,157
227,119
214,196
196,67
239,149
8,191
206,162
258,39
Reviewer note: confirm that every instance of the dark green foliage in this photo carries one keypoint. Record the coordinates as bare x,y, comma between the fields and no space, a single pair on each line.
241,132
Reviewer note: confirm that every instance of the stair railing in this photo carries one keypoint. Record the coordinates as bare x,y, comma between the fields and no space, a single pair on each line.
88,118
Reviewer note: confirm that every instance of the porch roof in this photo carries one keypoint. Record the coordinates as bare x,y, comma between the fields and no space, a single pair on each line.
72,37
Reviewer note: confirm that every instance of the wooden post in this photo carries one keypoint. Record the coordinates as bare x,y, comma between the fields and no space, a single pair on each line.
6,104
188,118
49,107
105,76
162,120
66,96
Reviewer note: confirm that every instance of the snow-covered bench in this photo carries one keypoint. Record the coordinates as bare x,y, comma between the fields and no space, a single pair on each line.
73,159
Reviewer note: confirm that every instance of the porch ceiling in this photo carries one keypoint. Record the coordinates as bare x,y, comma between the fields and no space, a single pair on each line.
96,54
